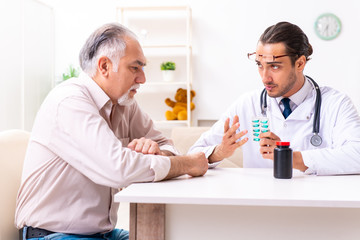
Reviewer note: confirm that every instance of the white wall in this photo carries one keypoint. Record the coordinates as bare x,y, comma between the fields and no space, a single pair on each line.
38,58
223,33
75,20
11,64
26,61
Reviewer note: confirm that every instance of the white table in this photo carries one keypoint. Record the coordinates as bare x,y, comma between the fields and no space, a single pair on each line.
231,203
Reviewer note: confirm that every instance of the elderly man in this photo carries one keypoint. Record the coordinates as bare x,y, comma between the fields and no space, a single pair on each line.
89,139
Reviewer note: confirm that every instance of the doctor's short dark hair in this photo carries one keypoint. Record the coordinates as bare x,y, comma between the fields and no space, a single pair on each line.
295,41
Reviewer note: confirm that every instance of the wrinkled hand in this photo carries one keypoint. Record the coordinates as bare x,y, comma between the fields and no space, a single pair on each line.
229,141
195,165
198,164
145,146
268,144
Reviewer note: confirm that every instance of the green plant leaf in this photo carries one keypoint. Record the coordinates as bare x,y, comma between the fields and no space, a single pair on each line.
168,66
70,73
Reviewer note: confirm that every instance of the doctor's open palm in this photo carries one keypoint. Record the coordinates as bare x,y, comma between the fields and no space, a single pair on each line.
230,141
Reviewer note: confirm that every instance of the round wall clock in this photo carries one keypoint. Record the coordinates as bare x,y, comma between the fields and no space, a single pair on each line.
327,26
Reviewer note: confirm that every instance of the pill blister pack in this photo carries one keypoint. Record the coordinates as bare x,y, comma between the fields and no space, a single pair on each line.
259,125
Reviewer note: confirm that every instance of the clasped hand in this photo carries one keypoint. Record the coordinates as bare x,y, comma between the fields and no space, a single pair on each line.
145,146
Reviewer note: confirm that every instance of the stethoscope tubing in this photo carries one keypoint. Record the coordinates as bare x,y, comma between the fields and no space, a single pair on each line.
316,124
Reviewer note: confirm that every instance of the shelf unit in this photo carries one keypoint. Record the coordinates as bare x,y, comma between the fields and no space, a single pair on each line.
164,33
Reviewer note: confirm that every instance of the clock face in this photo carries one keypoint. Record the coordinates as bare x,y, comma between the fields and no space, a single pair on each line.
327,26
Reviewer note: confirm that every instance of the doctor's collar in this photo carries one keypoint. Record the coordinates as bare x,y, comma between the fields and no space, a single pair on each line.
299,97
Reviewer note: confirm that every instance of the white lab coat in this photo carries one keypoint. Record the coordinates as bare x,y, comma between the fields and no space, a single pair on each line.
339,152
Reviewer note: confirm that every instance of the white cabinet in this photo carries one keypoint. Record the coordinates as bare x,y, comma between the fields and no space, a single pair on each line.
165,35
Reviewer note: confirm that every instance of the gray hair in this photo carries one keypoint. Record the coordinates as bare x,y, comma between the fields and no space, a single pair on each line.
109,41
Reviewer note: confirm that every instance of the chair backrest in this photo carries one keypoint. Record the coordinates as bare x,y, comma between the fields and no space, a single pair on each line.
13,144
185,137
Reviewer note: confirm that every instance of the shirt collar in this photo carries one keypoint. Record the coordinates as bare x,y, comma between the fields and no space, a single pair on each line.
98,95
298,97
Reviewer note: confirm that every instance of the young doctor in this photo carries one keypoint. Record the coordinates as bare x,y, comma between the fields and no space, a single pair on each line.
321,124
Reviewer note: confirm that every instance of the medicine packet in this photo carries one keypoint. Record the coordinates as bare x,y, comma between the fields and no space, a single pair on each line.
259,125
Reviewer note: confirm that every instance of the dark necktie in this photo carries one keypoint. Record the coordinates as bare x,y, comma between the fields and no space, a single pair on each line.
287,109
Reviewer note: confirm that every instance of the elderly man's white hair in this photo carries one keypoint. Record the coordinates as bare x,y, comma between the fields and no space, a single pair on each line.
109,41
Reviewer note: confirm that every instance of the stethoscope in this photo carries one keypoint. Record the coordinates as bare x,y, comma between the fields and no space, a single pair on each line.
315,140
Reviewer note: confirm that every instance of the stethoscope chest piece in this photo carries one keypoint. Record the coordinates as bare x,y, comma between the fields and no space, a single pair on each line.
316,140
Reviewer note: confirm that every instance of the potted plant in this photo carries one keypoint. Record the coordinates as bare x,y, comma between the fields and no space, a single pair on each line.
71,72
168,69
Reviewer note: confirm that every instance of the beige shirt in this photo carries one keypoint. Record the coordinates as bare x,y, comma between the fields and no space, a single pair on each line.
76,161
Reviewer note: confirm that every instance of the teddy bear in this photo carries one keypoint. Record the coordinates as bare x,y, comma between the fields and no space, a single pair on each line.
179,111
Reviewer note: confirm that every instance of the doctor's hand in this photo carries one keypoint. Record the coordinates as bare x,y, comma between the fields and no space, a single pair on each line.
229,141
268,144
145,146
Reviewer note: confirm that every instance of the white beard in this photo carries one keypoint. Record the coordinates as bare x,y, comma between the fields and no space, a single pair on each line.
126,100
